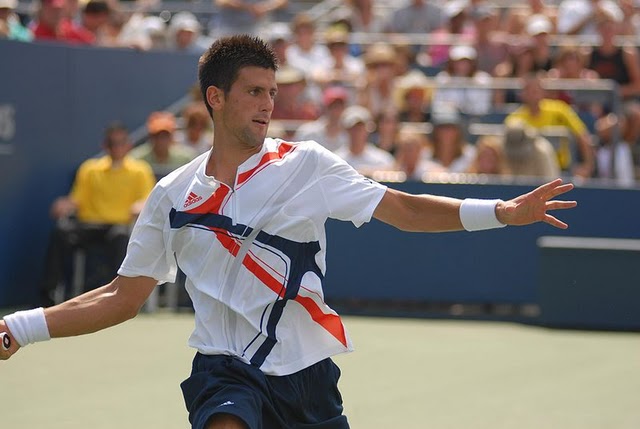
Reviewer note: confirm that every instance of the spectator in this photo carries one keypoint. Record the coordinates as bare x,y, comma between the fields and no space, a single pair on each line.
343,68
579,17
456,31
143,32
490,157
451,153
385,133
569,63
622,65
305,53
292,102
380,86
463,64
279,37
519,64
244,16
10,26
528,153
161,151
614,158
197,133
95,16
184,34
363,17
419,17
540,112
106,196
538,28
411,154
360,153
515,19
414,98
327,130
489,44
51,24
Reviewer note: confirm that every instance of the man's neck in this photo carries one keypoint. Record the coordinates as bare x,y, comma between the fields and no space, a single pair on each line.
226,158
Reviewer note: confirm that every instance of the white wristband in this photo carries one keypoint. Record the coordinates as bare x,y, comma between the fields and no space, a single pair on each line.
477,215
28,326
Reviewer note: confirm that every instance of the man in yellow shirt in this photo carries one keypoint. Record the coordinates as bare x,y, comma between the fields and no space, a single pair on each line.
540,112
106,197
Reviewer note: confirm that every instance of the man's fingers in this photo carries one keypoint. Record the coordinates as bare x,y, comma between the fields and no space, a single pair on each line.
553,221
559,190
561,205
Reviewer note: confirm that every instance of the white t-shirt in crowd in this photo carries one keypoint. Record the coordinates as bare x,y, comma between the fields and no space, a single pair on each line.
267,308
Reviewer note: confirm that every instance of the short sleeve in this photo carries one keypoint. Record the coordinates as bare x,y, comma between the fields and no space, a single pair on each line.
347,194
148,252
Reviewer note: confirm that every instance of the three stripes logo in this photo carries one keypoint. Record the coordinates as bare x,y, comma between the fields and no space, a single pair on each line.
191,199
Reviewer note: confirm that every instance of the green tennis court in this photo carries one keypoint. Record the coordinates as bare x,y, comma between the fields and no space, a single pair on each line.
405,374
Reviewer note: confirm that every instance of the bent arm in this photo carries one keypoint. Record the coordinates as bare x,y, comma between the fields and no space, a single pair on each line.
100,308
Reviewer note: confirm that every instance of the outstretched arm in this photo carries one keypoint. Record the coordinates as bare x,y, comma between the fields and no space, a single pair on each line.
98,309
429,213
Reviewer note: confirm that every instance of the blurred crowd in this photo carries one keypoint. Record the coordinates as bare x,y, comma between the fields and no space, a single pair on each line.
421,88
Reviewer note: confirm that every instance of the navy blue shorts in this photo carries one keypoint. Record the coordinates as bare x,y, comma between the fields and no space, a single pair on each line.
307,399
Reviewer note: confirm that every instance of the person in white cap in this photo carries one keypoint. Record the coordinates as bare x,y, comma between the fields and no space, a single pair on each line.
246,224
462,63
184,34
539,27
362,155
10,26
515,19
578,17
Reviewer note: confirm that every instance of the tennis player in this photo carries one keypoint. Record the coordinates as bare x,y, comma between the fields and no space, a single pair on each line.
245,222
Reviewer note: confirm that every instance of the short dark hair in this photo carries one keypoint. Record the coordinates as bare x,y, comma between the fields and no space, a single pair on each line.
112,128
220,64
97,7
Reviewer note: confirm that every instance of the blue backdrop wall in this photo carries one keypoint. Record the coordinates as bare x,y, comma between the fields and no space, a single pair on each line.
55,102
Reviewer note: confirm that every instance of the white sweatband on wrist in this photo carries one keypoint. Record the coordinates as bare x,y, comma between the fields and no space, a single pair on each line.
477,215
28,327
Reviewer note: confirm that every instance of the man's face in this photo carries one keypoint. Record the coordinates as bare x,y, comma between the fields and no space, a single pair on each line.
246,109
532,92
117,145
161,141
358,136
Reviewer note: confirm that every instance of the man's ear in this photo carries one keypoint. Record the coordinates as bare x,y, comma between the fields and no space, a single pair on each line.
215,97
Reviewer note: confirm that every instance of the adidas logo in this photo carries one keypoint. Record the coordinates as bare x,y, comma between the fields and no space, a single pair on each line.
191,199
227,403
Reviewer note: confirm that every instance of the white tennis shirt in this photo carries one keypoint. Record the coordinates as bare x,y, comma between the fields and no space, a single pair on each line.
262,302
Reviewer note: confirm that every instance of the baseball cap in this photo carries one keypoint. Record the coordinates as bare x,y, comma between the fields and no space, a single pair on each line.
334,93
278,31
287,74
336,34
185,21
353,115
161,121
454,8
379,53
445,115
8,4
538,24
461,52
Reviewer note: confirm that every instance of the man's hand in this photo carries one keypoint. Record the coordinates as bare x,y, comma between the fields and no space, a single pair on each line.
6,354
533,206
